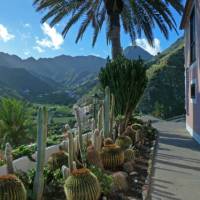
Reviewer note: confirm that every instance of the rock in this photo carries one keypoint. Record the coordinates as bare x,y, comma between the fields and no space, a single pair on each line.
120,181
133,173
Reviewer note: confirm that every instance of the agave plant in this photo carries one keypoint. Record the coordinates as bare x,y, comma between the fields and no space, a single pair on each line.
136,17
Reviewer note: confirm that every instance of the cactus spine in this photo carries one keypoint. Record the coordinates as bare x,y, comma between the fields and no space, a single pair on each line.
9,159
107,112
11,188
41,145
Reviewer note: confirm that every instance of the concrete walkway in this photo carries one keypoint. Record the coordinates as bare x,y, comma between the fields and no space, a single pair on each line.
177,163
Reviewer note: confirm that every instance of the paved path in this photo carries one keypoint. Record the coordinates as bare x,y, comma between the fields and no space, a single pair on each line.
177,164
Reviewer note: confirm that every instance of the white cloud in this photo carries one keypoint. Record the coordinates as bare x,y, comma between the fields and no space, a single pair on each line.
145,45
95,54
53,40
39,49
4,34
27,25
26,53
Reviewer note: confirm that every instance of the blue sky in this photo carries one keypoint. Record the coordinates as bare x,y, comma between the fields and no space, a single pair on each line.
21,33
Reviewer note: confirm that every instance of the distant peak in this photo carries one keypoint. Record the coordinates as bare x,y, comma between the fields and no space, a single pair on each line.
136,52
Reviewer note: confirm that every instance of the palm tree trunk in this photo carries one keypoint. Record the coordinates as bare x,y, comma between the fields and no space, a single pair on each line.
115,35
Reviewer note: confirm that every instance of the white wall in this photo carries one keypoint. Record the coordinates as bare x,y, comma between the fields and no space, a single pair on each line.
24,164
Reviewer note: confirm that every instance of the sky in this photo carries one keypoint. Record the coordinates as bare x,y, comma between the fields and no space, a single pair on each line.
22,34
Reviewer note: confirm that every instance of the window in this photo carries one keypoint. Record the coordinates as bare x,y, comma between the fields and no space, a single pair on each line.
192,37
193,91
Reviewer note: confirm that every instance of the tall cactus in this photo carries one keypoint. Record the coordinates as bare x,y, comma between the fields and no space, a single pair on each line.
9,159
80,136
97,140
107,112
112,114
41,145
100,118
70,151
95,108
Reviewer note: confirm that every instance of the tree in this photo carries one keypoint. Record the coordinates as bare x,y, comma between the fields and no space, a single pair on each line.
136,17
13,122
127,81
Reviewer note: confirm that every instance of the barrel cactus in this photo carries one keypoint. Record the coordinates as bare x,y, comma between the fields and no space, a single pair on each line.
108,141
112,156
130,132
11,188
124,142
129,155
57,160
82,185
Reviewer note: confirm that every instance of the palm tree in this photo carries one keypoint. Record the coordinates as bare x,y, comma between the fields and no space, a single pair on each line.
135,16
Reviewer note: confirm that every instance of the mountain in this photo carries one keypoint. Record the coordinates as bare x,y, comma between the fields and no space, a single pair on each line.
134,52
62,69
23,82
19,83
7,92
60,79
164,96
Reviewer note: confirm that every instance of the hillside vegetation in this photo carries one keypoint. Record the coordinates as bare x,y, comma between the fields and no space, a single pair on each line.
164,96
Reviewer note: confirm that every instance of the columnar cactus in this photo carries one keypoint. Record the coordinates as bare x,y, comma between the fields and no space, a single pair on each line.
100,118
11,188
9,159
82,185
65,172
93,157
70,151
41,146
107,113
112,114
124,142
95,107
97,140
77,113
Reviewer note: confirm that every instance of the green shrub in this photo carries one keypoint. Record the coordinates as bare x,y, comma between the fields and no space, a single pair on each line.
106,181
14,124
24,150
